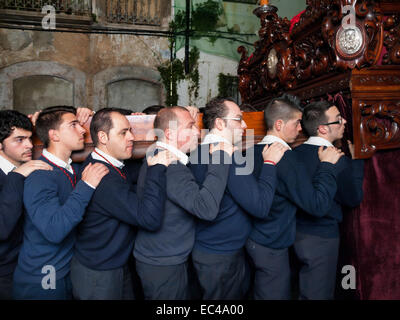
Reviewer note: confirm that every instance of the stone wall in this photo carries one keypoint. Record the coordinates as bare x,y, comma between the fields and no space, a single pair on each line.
41,68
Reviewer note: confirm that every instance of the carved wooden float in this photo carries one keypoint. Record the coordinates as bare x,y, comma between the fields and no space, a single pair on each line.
322,54
312,59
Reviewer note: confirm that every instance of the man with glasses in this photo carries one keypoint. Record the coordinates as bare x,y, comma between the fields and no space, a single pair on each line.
317,238
218,254
162,255
271,237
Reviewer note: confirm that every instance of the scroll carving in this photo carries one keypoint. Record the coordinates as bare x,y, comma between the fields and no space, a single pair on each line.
392,40
379,126
321,54
316,46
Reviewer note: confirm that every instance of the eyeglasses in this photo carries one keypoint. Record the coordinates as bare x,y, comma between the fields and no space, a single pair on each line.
340,121
240,119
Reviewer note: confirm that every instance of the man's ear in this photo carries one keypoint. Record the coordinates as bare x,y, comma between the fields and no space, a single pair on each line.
1,146
278,125
219,124
322,129
169,134
54,135
102,137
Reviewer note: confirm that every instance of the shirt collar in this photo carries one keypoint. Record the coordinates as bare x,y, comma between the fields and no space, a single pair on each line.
318,141
112,160
6,165
183,158
214,138
269,139
58,161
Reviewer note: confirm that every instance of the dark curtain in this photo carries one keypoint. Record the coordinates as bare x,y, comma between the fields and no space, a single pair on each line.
370,234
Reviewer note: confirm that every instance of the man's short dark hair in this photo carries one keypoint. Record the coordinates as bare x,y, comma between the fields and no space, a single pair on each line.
153,109
282,108
125,112
214,109
10,120
102,121
165,115
50,118
314,115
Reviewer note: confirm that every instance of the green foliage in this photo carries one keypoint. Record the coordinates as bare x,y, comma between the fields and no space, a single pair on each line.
206,15
171,73
179,22
204,18
174,72
227,85
193,76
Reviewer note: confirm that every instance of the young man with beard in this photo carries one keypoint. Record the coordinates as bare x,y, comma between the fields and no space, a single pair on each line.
105,237
162,256
218,254
55,203
271,237
317,238
16,164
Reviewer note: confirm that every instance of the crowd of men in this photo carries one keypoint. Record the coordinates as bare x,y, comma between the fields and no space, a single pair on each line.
193,221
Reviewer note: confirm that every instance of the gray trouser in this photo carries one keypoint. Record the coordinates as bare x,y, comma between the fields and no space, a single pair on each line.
222,276
164,282
89,284
318,273
6,287
272,272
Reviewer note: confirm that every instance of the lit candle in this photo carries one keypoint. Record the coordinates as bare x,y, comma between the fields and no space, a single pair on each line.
264,2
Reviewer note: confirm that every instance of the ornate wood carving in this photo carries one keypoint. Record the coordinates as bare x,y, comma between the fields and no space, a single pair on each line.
392,40
379,126
316,46
324,55
376,109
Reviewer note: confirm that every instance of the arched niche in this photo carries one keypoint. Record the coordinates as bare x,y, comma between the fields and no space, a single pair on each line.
131,87
34,93
56,75
133,94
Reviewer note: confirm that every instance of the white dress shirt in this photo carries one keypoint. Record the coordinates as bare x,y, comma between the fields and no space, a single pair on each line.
112,160
61,163
58,161
318,141
214,138
183,158
269,139
6,165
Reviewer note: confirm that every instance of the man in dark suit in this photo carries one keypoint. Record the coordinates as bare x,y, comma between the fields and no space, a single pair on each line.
105,237
271,237
218,255
162,256
54,203
317,238
16,164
